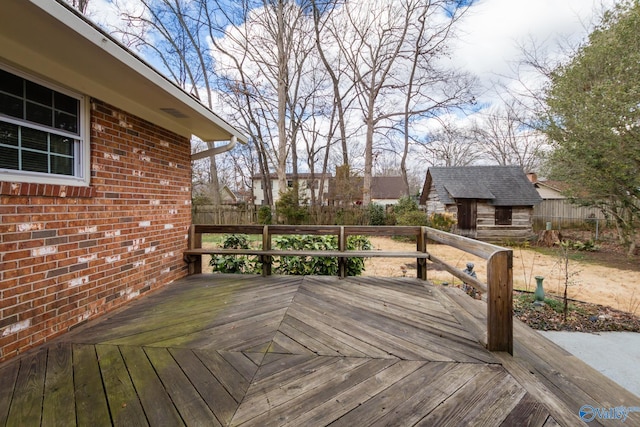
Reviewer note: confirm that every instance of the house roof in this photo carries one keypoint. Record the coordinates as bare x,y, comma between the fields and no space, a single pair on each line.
499,185
387,187
382,187
50,38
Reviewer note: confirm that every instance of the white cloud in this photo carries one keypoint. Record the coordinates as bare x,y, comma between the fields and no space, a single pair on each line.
492,30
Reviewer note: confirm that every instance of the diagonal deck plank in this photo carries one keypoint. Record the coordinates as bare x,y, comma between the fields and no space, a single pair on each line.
219,400
245,350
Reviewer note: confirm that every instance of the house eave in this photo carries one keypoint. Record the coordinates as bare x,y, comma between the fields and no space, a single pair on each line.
46,37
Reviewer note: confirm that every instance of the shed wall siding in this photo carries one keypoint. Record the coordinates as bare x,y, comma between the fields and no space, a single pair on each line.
69,254
520,228
433,203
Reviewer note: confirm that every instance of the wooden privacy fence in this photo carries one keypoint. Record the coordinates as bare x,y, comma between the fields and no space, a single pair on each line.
498,287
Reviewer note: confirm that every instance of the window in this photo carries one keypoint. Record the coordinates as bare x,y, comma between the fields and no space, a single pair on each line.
503,215
42,132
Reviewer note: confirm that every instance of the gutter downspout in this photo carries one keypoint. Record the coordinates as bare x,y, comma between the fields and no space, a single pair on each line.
216,150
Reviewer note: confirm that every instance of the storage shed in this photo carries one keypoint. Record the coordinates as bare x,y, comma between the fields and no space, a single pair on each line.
492,203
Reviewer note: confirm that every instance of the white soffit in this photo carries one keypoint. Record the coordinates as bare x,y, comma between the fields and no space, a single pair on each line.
47,38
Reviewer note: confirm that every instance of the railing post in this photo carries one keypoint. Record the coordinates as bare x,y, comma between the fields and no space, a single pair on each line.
342,246
500,301
266,246
195,242
421,246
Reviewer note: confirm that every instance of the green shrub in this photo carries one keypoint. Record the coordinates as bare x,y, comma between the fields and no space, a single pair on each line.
264,215
375,212
412,218
289,209
292,265
326,266
405,204
442,221
586,246
237,264
350,216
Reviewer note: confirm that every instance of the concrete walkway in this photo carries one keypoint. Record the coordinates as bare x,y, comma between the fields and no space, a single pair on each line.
614,354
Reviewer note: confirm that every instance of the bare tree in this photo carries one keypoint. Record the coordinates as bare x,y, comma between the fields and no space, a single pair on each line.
431,88
80,5
451,146
174,32
327,31
261,57
507,138
392,50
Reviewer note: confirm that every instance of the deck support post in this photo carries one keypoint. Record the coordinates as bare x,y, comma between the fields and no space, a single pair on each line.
342,246
195,242
421,246
266,246
500,301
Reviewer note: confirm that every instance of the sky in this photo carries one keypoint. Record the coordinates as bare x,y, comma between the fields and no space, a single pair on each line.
490,31
493,29
488,40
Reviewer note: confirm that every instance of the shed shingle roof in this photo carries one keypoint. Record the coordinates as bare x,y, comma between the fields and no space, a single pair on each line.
499,185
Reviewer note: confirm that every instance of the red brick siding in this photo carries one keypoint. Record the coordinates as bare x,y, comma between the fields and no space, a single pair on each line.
68,254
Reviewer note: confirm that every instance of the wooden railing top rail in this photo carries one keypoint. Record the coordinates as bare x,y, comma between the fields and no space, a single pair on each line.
476,247
368,230
499,287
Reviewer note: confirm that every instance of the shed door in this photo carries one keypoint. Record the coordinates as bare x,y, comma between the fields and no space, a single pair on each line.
467,213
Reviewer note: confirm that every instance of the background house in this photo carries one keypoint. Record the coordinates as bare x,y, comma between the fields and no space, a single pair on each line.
490,202
557,209
95,173
385,190
308,183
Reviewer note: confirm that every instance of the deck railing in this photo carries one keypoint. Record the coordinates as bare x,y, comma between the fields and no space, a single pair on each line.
498,287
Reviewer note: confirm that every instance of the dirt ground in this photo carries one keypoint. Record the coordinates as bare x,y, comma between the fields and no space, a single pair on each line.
605,277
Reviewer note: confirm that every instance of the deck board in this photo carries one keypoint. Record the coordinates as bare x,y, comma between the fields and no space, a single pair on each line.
226,350
124,405
91,401
57,409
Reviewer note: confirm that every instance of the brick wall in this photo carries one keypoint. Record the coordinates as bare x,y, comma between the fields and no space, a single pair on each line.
69,254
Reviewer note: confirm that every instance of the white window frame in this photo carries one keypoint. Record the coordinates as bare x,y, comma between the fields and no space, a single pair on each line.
82,156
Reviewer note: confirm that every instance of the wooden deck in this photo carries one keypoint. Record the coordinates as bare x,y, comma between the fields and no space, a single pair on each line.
313,351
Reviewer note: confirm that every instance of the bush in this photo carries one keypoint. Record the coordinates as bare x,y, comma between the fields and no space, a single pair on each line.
353,216
375,213
442,221
405,204
237,264
264,215
292,265
295,265
586,246
412,218
288,207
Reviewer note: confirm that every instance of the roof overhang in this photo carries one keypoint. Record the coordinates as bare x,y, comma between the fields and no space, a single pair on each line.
48,38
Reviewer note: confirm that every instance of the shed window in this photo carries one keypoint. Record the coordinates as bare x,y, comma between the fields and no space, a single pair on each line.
503,215
41,131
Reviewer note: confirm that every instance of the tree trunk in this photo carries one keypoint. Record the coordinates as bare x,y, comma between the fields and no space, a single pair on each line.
549,238
282,99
